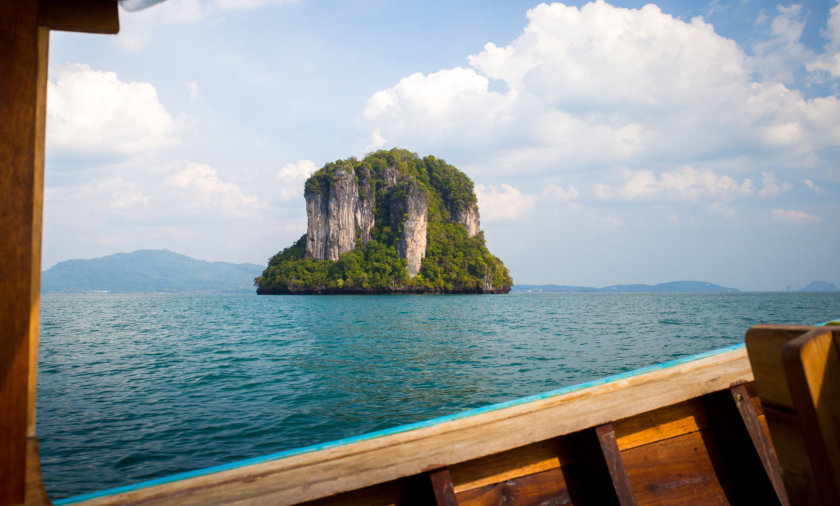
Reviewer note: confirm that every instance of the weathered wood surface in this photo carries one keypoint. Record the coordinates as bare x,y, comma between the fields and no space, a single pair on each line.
797,375
812,367
91,16
20,192
321,474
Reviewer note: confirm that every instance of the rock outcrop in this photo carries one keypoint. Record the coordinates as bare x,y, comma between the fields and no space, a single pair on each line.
411,209
403,204
335,211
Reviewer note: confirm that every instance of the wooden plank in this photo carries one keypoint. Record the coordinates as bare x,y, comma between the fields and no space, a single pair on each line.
516,463
442,487
746,406
367,462
547,487
739,466
663,423
675,471
615,464
18,109
764,346
91,16
812,367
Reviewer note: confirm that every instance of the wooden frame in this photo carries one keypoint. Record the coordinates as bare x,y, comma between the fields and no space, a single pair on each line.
24,44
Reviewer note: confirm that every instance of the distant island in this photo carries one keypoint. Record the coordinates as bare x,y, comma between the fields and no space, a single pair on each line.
390,223
671,287
147,271
820,286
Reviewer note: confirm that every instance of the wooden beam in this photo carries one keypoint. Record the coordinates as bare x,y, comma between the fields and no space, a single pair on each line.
743,400
615,464
742,474
812,367
19,66
442,487
91,16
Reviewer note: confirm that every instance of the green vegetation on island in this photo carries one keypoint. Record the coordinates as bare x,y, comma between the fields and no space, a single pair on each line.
393,184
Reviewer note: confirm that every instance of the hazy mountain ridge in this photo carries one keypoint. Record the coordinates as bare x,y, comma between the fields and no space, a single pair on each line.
670,287
148,271
820,286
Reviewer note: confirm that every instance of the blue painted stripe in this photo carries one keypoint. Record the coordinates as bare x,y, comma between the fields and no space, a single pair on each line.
394,430
835,321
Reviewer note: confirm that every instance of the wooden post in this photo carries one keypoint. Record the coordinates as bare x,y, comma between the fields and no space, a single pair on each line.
23,64
24,46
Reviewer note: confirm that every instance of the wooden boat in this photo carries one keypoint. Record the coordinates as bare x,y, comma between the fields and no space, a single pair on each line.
701,430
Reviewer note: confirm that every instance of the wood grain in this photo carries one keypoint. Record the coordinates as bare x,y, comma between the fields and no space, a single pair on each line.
547,487
91,16
503,466
764,346
675,471
18,109
662,423
812,367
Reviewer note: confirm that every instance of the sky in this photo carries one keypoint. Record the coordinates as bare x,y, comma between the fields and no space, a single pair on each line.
609,142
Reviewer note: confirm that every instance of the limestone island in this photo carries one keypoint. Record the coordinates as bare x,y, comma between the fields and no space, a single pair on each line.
392,223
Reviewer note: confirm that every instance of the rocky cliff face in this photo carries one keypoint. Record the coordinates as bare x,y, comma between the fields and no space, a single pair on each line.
335,211
412,210
466,216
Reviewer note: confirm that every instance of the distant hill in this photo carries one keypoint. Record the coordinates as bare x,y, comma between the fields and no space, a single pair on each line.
148,271
671,287
820,286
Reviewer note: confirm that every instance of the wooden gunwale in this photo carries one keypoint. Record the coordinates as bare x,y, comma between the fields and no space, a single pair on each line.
324,470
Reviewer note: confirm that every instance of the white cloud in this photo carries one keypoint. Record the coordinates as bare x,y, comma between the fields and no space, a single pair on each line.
504,203
292,176
193,90
780,56
792,216
829,61
602,86
814,187
205,192
557,193
771,187
93,112
679,185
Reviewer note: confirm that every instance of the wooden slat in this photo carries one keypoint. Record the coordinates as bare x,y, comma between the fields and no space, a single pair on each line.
663,423
737,461
442,488
615,464
516,463
91,16
675,471
547,487
745,404
812,367
18,109
764,346
319,474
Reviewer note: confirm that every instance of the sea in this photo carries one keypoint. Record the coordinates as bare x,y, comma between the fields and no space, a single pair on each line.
138,387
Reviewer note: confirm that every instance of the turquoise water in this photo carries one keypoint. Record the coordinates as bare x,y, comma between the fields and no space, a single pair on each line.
135,387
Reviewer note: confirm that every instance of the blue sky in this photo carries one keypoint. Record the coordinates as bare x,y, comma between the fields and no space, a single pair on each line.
609,142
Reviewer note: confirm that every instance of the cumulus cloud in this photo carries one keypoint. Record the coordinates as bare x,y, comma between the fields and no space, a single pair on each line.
503,203
679,185
770,187
248,4
783,53
93,112
791,216
205,192
600,86
292,176
829,61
